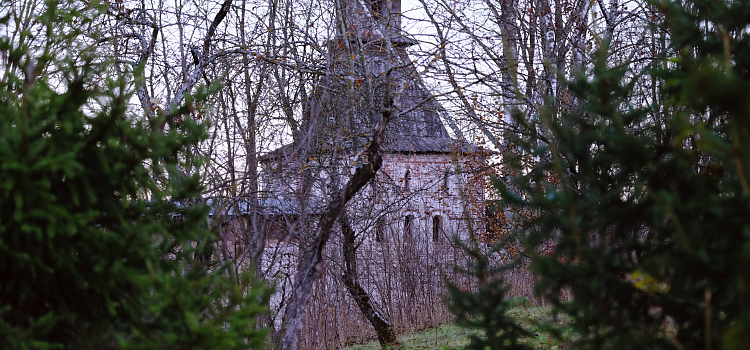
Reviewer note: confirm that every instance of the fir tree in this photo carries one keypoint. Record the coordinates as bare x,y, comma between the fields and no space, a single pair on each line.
94,253
647,206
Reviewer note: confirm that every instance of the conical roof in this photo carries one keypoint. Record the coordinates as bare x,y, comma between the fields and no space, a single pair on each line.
417,126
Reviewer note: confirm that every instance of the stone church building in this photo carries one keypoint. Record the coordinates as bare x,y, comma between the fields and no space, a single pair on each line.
431,185
429,190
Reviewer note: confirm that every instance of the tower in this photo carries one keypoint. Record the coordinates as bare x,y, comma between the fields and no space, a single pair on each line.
419,188
375,45
415,203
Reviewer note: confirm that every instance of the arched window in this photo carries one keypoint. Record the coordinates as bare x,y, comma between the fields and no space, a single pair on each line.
380,230
378,8
407,224
446,175
437,227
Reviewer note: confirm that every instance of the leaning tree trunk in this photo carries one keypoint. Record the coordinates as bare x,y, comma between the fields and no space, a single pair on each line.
378,319
311,262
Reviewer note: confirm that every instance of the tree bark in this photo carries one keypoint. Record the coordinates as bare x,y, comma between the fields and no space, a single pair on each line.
192,79
310,264
383,326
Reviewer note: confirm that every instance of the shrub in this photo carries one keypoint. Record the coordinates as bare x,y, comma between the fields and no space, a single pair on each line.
90,253
646,205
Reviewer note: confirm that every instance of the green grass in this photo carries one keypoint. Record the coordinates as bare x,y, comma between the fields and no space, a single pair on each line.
451,336
536,319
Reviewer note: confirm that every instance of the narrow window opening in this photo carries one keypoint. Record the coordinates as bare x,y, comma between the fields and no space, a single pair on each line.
407,177
436,227
378,8
407,224
379,230
446,174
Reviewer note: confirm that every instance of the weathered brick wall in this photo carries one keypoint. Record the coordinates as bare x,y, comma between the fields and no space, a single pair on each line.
422,186
401,265
437,187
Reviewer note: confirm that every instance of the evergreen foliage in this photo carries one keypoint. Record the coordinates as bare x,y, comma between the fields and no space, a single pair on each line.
647,206
94,252
486,307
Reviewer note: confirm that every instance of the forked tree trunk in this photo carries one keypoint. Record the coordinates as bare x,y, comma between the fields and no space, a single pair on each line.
378,320
310,264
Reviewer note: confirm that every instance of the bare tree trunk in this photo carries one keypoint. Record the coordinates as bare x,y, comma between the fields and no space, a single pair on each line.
452,79
578,45
546,26
192,79
310,264
378,319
